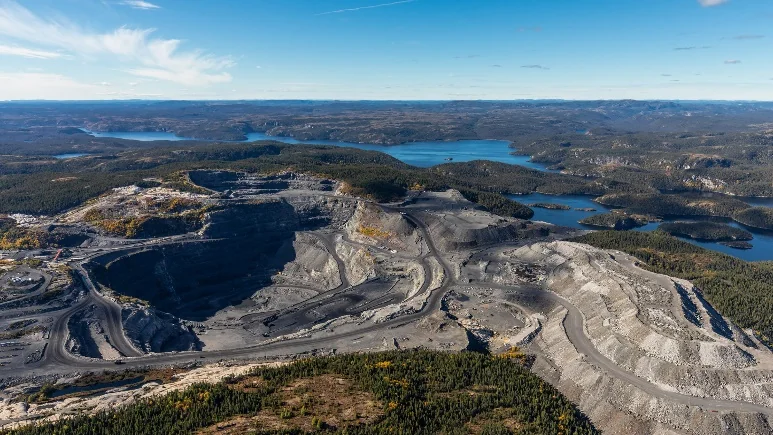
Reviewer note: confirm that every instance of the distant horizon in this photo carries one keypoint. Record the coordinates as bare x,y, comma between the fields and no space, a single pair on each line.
524,100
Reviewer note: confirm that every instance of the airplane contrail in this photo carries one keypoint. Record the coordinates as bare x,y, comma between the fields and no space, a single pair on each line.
367,7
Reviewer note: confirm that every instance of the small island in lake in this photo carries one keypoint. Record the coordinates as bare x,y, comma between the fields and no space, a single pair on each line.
706,231
617,220
585,209
550,206
737,244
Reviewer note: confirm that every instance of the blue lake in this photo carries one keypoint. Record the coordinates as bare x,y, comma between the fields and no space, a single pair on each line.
426,154
422,154
762,242
69,155
144,136
566,218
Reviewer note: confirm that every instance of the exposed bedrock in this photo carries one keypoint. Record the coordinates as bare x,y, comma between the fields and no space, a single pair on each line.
214,179
195,280
373,226
88,337
155,331
469,229
246,246
256,220
240,183
313,267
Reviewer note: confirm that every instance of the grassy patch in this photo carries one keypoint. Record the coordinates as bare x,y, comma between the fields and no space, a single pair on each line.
373,232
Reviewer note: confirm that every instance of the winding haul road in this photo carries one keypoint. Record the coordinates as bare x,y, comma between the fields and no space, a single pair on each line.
574,326
58,360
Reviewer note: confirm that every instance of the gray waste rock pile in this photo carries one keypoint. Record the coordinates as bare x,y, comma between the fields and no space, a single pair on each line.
658,354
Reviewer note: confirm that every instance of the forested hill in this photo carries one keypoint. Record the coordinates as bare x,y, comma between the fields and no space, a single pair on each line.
398,392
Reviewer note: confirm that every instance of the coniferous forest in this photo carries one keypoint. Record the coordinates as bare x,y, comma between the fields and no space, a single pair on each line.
414,392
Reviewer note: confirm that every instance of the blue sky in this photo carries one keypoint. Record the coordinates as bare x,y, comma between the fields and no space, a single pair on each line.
386,49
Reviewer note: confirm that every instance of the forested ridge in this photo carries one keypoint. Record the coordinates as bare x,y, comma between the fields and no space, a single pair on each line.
420,392
738,289
712,231
42,185
46,187
674,205
617,220
732,162
757,217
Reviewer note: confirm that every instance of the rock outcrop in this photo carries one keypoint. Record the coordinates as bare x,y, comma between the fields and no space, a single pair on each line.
155,331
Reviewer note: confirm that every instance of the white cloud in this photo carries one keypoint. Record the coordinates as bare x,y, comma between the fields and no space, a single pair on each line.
732,62
142,54
183,77
139,4
31,86
709,3
7,50
44,86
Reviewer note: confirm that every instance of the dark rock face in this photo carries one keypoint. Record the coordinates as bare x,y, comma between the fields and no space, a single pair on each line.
240,183
158,226
248,242
65,236
243,244
214,180
155,331
261,220
452,238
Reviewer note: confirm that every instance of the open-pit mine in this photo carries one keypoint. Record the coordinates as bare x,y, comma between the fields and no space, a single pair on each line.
247,269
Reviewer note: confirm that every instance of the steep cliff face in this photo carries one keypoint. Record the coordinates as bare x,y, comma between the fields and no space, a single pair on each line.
253,220
155,331
214,180
240,183
245,243
317,211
